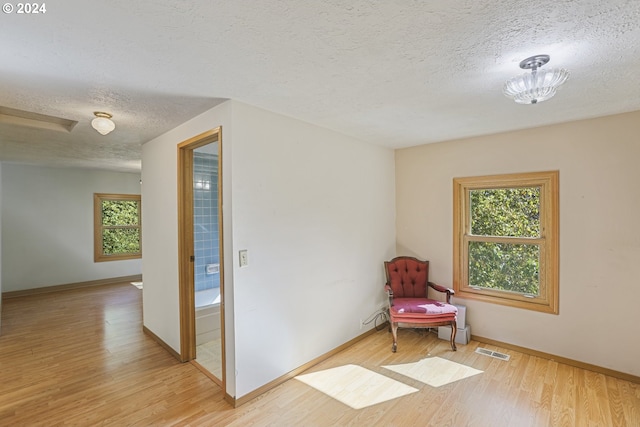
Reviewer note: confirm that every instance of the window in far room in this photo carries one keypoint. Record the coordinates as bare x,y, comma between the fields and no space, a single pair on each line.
117,227
506,239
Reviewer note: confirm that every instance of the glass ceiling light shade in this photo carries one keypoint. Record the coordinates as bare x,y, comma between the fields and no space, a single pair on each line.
538,86
102,123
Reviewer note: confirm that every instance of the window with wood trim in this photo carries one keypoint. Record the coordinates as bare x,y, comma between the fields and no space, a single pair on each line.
117,227
506,239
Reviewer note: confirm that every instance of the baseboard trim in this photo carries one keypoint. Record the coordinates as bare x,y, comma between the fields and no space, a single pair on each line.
162,344
230,399
235,402
69,286
560,359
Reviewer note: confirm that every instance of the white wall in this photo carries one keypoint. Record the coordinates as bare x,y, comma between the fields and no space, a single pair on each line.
314,210
599,236
47,225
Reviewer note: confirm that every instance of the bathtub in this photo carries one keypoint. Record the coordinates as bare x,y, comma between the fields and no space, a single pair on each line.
207,315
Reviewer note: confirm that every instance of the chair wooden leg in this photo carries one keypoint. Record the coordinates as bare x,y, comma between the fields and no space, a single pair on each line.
394,332
454,330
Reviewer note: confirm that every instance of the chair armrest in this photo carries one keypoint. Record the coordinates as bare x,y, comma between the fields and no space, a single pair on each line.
389,292
443,289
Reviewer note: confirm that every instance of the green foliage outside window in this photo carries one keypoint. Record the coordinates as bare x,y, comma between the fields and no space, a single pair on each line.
119,212
510,213
120,232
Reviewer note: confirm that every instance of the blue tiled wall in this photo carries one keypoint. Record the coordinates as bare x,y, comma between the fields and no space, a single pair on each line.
205,219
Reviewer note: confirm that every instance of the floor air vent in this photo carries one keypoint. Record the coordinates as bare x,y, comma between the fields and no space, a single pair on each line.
495,354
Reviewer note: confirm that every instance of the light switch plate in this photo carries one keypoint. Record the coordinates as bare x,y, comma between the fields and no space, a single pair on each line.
244,258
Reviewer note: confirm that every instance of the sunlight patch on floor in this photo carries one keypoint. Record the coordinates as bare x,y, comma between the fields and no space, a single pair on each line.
434,371
356,386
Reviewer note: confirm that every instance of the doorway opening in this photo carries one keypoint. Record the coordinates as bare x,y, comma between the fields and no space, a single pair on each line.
200,253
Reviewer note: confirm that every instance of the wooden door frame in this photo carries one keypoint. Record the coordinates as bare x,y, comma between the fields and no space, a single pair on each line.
186,246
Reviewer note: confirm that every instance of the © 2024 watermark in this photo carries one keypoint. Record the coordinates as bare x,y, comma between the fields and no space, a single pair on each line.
24,8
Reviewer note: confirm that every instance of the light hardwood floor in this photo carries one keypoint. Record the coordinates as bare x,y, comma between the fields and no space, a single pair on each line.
79,358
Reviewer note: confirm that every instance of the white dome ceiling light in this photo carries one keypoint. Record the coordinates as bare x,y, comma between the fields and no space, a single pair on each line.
538,86
103,123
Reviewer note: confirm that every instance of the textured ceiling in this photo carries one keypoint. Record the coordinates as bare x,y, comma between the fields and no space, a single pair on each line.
390,72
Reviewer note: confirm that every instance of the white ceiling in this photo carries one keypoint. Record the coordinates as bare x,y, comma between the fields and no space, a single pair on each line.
391,72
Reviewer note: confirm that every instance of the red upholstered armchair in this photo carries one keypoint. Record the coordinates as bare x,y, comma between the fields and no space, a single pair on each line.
409,305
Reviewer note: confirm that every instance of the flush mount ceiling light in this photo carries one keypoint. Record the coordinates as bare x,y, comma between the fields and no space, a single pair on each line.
538,86
102,123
